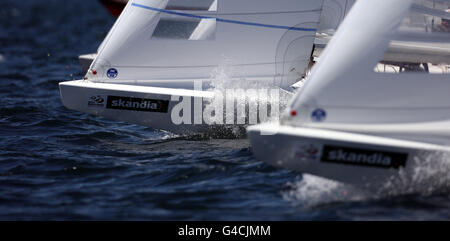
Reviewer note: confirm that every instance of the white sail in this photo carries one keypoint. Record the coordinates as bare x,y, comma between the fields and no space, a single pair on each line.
160,39
420,41
343,87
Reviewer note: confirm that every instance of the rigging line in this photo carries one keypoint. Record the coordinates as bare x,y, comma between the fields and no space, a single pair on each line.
223,20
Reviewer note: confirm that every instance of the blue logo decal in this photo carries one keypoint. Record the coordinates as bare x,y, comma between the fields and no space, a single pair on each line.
112,73
318,115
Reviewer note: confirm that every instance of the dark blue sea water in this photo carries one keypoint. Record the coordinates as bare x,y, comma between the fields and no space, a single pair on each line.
58,164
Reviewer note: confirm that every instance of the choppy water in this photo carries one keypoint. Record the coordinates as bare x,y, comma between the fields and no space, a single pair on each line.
57,164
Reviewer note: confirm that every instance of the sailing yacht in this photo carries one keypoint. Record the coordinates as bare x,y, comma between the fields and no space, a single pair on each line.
355,124
163,57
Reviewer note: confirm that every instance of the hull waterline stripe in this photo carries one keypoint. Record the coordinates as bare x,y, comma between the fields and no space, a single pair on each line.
223,20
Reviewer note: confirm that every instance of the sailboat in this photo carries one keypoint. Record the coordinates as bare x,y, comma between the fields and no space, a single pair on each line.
356,125
159,58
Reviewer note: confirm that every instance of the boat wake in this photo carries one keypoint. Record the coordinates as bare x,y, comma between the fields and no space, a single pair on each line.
430,177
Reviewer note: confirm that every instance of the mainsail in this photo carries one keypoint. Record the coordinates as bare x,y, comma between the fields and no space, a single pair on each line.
161,39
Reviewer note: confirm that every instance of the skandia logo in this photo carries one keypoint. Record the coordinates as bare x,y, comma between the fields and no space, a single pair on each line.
363,157
137,104
307,151
96,101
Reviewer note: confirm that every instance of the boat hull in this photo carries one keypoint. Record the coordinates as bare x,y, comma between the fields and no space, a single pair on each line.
142,105
357,159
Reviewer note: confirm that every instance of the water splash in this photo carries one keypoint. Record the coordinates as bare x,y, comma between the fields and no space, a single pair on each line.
247,92
312,191
430,175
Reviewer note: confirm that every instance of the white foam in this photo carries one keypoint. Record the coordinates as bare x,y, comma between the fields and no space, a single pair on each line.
222,81
430,175
2,58
313,190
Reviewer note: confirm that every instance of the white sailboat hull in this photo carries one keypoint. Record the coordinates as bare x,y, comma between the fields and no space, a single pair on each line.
110,101
357,159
